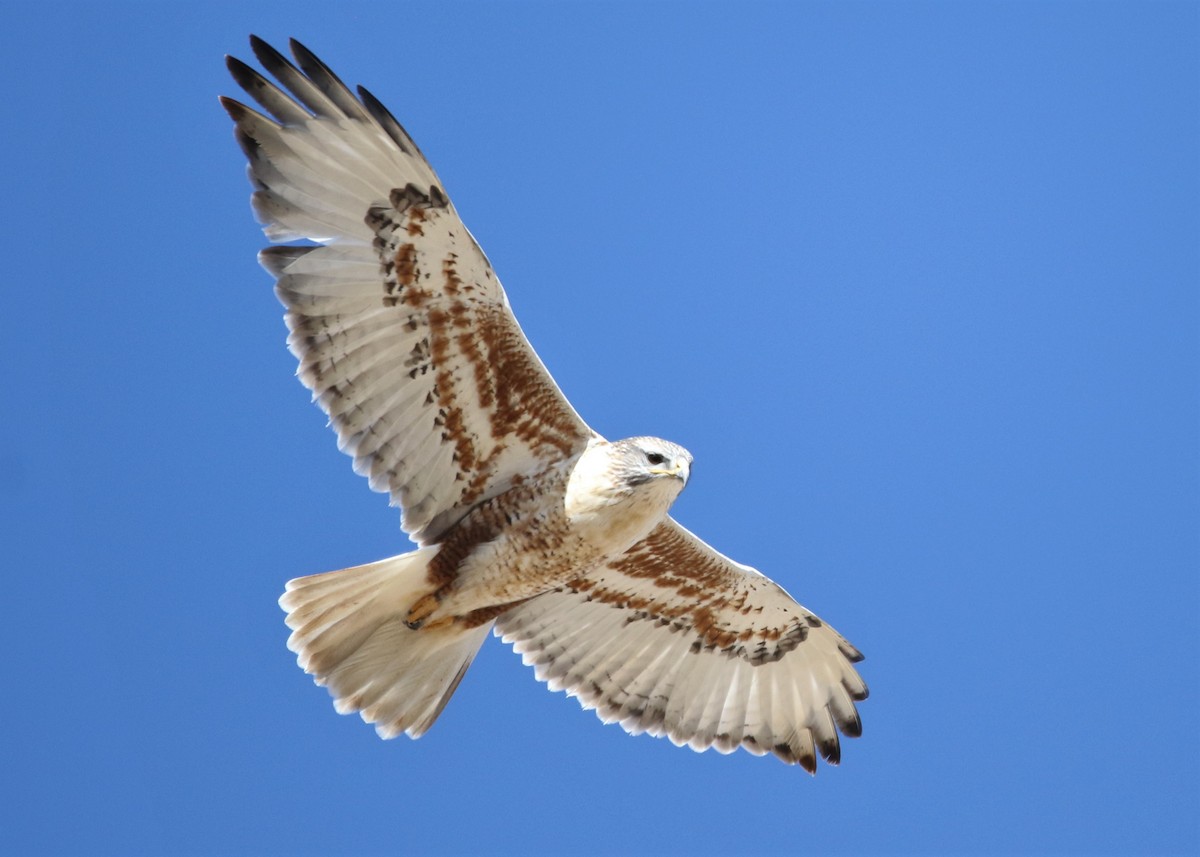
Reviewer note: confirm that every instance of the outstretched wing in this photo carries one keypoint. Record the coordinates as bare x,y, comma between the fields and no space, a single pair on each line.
403,331
676,639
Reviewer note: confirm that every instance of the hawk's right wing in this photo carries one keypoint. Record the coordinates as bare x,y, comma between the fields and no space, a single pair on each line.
403,331
675,639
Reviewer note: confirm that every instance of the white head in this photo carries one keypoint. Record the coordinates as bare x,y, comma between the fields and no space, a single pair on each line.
639,461
627,486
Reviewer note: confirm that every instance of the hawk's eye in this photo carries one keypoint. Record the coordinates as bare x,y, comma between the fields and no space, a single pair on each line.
655,457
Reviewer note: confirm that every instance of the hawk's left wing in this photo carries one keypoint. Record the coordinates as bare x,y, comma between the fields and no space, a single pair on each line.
676,639
403,332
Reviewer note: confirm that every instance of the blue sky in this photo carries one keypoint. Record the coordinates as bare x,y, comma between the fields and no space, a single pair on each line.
917,284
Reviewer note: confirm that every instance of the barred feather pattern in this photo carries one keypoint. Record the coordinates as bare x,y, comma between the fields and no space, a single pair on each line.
403,332
675,639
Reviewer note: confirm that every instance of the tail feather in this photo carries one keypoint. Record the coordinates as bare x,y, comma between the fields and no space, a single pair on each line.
348,631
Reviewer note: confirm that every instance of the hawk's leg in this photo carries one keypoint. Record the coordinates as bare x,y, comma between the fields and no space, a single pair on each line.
424,608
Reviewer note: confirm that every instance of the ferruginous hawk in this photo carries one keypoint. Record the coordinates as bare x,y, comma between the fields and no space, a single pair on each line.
527,522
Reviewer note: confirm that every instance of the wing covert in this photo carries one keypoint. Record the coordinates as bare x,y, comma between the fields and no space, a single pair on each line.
676,639
403,332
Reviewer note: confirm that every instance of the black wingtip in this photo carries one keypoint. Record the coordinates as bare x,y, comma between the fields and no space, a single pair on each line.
234,108
303,54
330,85
830,748
276,259
270,58
852,654
388,122
851,726
795,756
242,74
315,68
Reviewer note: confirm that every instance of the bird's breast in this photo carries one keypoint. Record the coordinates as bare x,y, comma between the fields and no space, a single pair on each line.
527,541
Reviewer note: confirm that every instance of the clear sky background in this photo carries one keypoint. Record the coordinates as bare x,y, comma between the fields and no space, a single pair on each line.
915,282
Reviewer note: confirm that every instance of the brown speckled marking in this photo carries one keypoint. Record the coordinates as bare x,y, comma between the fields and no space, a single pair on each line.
450,274
456,430
696,594
508,385
507,381
489,391
411,200
416,216
521,388
502,516
486,614
406,265
483,525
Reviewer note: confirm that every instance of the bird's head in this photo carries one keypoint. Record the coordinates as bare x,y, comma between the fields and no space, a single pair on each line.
621,490
638,461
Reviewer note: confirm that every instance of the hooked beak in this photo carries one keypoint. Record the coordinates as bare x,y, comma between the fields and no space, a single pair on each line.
678,469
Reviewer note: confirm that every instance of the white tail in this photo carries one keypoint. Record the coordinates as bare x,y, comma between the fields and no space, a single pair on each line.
348,631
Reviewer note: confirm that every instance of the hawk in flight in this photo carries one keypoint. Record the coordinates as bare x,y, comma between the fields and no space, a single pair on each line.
528,523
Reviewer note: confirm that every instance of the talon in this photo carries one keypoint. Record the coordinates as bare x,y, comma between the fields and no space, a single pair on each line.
419,612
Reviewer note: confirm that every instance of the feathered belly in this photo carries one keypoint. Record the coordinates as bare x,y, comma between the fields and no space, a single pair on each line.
509,549
533,539
506,572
